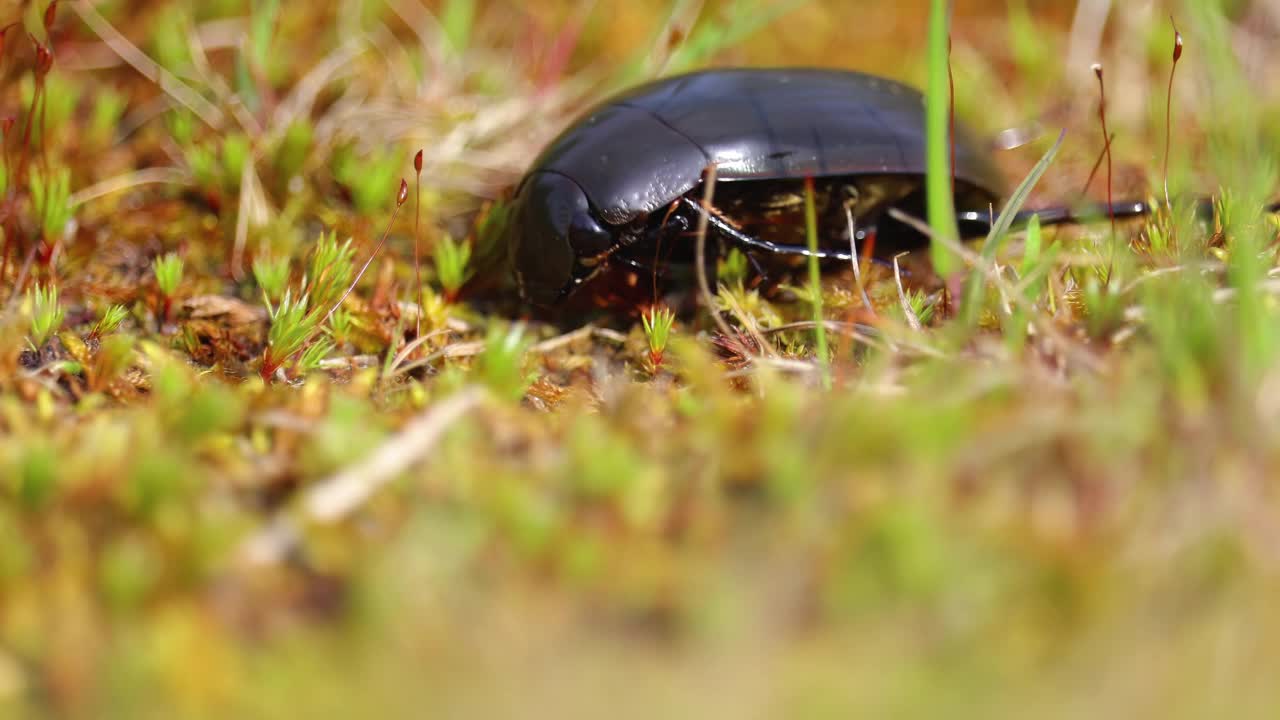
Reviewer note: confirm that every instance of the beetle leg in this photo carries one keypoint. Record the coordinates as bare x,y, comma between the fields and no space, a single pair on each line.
762,275
744,240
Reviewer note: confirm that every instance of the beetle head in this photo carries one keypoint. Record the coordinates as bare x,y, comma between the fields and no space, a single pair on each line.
557,238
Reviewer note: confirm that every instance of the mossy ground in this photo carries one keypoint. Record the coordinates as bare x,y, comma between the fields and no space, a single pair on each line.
1066,507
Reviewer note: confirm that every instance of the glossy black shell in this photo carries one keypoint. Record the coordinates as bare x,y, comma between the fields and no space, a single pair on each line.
643,149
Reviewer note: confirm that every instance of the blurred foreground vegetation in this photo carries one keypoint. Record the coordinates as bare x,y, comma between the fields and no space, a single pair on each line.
218,499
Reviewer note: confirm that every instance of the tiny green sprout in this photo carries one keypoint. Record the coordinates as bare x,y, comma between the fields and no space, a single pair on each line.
294,148
293,324
46,314
56,104
311,356
169,38
202,162
109,321
272,275
920,306
50,197
168,270
732,268
330,270
501,364
341,325
182,128
235,152
108,107
657,324
1103,306
452,258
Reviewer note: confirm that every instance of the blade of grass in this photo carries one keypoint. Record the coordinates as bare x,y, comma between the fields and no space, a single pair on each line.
815,281
938,195
1000,228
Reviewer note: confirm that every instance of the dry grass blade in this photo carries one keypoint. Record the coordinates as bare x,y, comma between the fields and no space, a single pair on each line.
253,210
209,113
408,349
910,314
700,250
336,497
129,180
586,331
748,322
854,261
455,350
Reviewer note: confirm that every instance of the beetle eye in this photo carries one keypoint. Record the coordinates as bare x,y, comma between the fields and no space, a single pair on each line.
587,237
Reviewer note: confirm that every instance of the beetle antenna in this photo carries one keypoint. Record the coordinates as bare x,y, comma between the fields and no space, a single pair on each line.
1168,106
401,196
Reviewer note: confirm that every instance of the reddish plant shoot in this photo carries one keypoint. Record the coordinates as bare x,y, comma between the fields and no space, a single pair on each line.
1168,107
5,127
44,59
417,250
1097,164
44,63
1106,139
50,15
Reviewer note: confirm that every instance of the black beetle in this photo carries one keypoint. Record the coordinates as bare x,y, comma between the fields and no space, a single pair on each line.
617,184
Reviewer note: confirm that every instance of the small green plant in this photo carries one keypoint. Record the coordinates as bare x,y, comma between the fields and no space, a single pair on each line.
921,308
57,104
109,321
341,325
272,275
255,64
46,314
182,128
169,35
236,150
108,107
1103,305
371,180
310,357
294,148
657,324
330,270
732,268
501,364
452,260
50,198
168,270
815,282
216,164
293,324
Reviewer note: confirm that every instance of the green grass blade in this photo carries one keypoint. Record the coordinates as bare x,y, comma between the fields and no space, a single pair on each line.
815,282
938,180
1005,219
972,306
